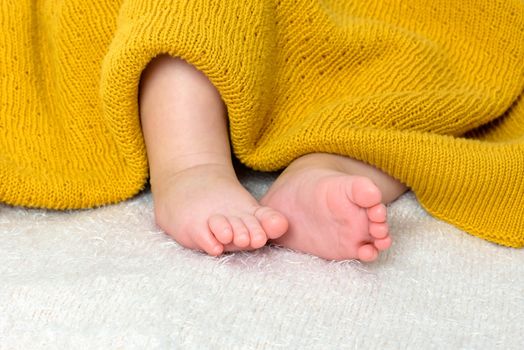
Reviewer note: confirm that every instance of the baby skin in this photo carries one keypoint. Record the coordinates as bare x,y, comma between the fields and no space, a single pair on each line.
322,204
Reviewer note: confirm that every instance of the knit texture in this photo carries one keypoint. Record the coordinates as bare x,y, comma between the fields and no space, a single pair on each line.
431,94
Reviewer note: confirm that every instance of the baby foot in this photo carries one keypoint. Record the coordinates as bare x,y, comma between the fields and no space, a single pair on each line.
206,208
331,214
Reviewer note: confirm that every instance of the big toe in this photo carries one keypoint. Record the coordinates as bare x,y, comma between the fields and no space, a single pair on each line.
364,192
274,223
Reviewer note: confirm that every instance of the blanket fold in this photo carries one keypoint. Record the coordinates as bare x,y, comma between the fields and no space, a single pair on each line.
429,93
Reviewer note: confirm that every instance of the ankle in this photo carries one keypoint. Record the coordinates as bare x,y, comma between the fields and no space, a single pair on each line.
318,161
180,162
390,187
168,176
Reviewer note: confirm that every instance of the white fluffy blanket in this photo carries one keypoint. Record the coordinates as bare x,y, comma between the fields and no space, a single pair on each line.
109,279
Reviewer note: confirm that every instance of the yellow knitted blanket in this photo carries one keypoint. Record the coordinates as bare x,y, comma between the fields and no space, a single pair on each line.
428,91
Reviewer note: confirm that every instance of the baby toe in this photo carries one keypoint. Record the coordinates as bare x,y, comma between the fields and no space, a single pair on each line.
378,230
377,213
206,241
256,233
367,252
220,227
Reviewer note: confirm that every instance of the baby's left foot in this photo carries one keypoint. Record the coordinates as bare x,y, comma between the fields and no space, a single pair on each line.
206,208
331,214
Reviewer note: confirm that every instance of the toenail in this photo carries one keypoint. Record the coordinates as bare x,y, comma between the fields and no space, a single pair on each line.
275,217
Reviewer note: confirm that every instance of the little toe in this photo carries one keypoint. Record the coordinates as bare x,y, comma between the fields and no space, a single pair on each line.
206,241
257,235
240,232
273,223
383,244
377,213
220,227
364,192
378,230
367,253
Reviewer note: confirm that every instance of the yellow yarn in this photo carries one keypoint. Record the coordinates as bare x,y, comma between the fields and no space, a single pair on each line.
430,92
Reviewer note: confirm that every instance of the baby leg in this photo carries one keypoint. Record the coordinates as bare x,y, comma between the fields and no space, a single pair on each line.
334,206
197,197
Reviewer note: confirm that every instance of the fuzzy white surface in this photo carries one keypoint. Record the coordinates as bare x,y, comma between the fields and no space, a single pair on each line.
109,279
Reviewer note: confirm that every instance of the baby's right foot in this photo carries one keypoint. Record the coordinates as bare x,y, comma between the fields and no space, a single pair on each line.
333,213
206,208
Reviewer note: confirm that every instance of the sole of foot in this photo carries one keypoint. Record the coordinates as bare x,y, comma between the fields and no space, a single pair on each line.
331,214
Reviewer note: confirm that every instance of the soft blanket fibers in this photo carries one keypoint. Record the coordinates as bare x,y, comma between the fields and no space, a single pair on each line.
107,278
